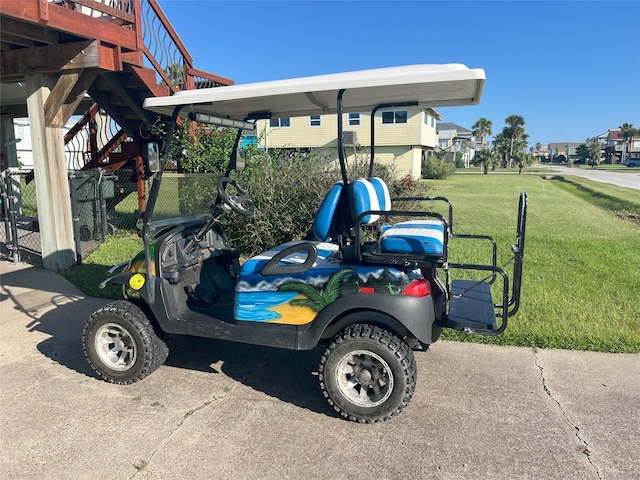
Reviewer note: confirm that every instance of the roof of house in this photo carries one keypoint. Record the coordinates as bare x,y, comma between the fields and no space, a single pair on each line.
440,126
446,134
562,145
615,133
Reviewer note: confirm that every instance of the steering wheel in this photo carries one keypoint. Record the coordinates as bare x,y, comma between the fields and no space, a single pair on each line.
241,203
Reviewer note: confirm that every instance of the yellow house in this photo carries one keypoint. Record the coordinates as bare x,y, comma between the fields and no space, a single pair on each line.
402,135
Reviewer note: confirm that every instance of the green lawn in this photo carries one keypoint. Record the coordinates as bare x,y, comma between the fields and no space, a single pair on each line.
581,282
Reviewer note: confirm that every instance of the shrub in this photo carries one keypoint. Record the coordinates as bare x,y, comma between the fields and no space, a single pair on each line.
287,193
436,168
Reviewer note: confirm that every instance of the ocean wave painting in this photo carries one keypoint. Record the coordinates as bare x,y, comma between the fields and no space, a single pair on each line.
260,306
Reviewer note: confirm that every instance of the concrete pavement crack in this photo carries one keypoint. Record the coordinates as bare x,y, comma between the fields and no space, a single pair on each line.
584,446
142,464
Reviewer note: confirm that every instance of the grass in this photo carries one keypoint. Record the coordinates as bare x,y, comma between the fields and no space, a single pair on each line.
88,276
581,281
582,261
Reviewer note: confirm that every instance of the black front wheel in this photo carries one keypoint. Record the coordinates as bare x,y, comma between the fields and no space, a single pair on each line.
121,344
367,373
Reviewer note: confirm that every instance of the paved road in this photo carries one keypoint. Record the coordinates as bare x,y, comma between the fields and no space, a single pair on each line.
218,410
628,180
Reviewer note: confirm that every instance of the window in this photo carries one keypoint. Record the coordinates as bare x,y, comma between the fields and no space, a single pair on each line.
394,116
353,119
315,121
429,120
280,122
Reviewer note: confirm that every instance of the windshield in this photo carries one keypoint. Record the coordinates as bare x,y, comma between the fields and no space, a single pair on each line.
184,196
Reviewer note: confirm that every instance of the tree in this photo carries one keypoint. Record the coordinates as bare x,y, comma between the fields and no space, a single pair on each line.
482,128
501,145
523,159
175,73
594,152
583,152
627,132
485,157
514,131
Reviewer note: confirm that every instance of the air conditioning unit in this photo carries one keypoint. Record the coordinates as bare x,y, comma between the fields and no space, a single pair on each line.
350,139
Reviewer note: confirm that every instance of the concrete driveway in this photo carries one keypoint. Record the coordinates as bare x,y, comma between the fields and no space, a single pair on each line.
218,410
628,180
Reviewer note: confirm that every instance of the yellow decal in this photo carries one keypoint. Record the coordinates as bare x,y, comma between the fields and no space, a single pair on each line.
137,281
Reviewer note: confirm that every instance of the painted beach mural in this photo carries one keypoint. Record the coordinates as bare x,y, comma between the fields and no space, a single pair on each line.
295,299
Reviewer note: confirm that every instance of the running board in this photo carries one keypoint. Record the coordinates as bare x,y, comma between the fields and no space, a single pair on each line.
471,307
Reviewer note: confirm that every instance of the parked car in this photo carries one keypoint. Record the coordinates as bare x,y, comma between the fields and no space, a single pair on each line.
632,162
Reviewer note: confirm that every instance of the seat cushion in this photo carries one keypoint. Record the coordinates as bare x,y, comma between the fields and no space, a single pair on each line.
419,237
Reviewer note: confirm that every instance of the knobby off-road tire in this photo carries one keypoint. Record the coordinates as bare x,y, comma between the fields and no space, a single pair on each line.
121,345
367,374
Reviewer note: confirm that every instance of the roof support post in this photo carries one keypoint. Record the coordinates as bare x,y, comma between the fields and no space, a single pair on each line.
52,184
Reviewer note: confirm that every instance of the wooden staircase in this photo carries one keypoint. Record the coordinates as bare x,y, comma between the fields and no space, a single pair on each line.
116,52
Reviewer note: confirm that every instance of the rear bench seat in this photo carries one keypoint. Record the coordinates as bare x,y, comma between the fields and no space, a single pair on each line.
422,236
418,236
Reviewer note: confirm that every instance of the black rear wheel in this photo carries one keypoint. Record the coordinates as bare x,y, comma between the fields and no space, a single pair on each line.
121,344
367,373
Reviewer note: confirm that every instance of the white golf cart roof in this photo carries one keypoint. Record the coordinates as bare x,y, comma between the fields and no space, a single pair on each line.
428,85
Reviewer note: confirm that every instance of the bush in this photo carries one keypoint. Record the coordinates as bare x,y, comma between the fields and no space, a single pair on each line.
436,168
287,193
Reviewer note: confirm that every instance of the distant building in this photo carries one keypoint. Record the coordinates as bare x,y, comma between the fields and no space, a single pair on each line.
454,138
22,133
566,150
403,136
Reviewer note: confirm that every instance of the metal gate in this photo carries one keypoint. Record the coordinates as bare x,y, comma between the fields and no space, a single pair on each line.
101,202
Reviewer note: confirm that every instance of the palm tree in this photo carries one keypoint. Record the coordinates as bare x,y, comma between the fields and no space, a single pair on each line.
501,146
514,131
627,132
594,152
175,74
316,299
484,158
482,128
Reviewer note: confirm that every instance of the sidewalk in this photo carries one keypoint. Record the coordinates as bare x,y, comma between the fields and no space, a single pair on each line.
627,180
219,410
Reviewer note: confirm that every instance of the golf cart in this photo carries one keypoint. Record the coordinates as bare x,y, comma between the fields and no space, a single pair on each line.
368,292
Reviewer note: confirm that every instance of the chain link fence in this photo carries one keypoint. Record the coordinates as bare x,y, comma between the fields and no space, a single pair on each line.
102,204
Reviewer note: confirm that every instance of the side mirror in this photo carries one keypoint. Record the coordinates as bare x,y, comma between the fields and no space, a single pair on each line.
240,160
151,156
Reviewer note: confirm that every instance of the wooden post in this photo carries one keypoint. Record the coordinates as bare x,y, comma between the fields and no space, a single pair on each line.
52,184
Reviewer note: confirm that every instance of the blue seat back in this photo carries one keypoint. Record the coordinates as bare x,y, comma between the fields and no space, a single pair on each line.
363,198
326,212
382,192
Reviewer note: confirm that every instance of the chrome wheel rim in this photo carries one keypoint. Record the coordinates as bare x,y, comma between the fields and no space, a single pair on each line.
115,347
364,378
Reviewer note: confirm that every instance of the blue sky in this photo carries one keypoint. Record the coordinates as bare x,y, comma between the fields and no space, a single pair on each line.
571,69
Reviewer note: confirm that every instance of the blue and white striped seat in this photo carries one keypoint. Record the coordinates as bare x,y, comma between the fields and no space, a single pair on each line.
423,237
418,236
